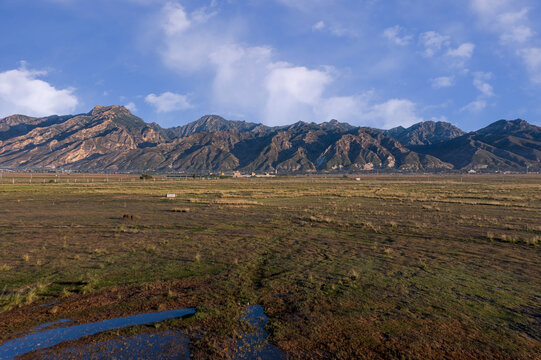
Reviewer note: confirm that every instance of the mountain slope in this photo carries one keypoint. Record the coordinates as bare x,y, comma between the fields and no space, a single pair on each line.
112,139
212,123
503,145
425,133
64,141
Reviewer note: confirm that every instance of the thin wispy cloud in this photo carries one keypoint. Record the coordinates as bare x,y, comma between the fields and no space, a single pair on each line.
442,82
433,42
397,35
511,20
464,51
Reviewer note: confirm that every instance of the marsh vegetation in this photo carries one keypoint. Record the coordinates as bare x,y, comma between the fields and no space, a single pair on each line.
385,267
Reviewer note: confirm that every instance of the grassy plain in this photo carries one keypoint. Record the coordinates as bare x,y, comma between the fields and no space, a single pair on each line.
387,267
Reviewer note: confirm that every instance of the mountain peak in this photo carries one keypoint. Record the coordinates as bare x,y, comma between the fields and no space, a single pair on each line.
512,126
211,118
111,138
336,125
109,110
212,123
17,119
425,133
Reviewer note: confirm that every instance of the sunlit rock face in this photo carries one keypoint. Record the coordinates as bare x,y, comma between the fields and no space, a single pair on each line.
110,138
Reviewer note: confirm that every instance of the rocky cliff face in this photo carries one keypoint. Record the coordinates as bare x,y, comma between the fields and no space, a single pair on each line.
213,123
66,141
112,139
425,133
503,145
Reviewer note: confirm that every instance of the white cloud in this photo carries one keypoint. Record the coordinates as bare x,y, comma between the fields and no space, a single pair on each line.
475,106
168,102
320,25
22,92
131,106
366,110
433,42
397,36
488,7
511,21
512,25
395,112
239,77
175,19
336,30
297,83
188,42
464,51
306,5
480,82
443,82
249,80
517,34
439,119
344,108
506,18
440,47
293,92
532,59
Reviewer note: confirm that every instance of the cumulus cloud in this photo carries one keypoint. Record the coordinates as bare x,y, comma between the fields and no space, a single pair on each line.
442,82
397,35
292,92
249,80
168,102
23,92
188,42
175,19
394,112
365,109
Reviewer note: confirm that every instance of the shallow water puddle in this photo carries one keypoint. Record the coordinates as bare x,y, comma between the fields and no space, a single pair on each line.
253,344
166,345
48,338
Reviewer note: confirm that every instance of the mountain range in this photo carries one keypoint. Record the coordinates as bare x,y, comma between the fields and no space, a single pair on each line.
112,139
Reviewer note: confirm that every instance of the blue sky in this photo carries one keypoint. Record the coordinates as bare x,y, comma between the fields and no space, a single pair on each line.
378,63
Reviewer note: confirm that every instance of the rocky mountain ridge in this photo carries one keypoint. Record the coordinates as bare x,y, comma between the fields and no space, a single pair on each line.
112,139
